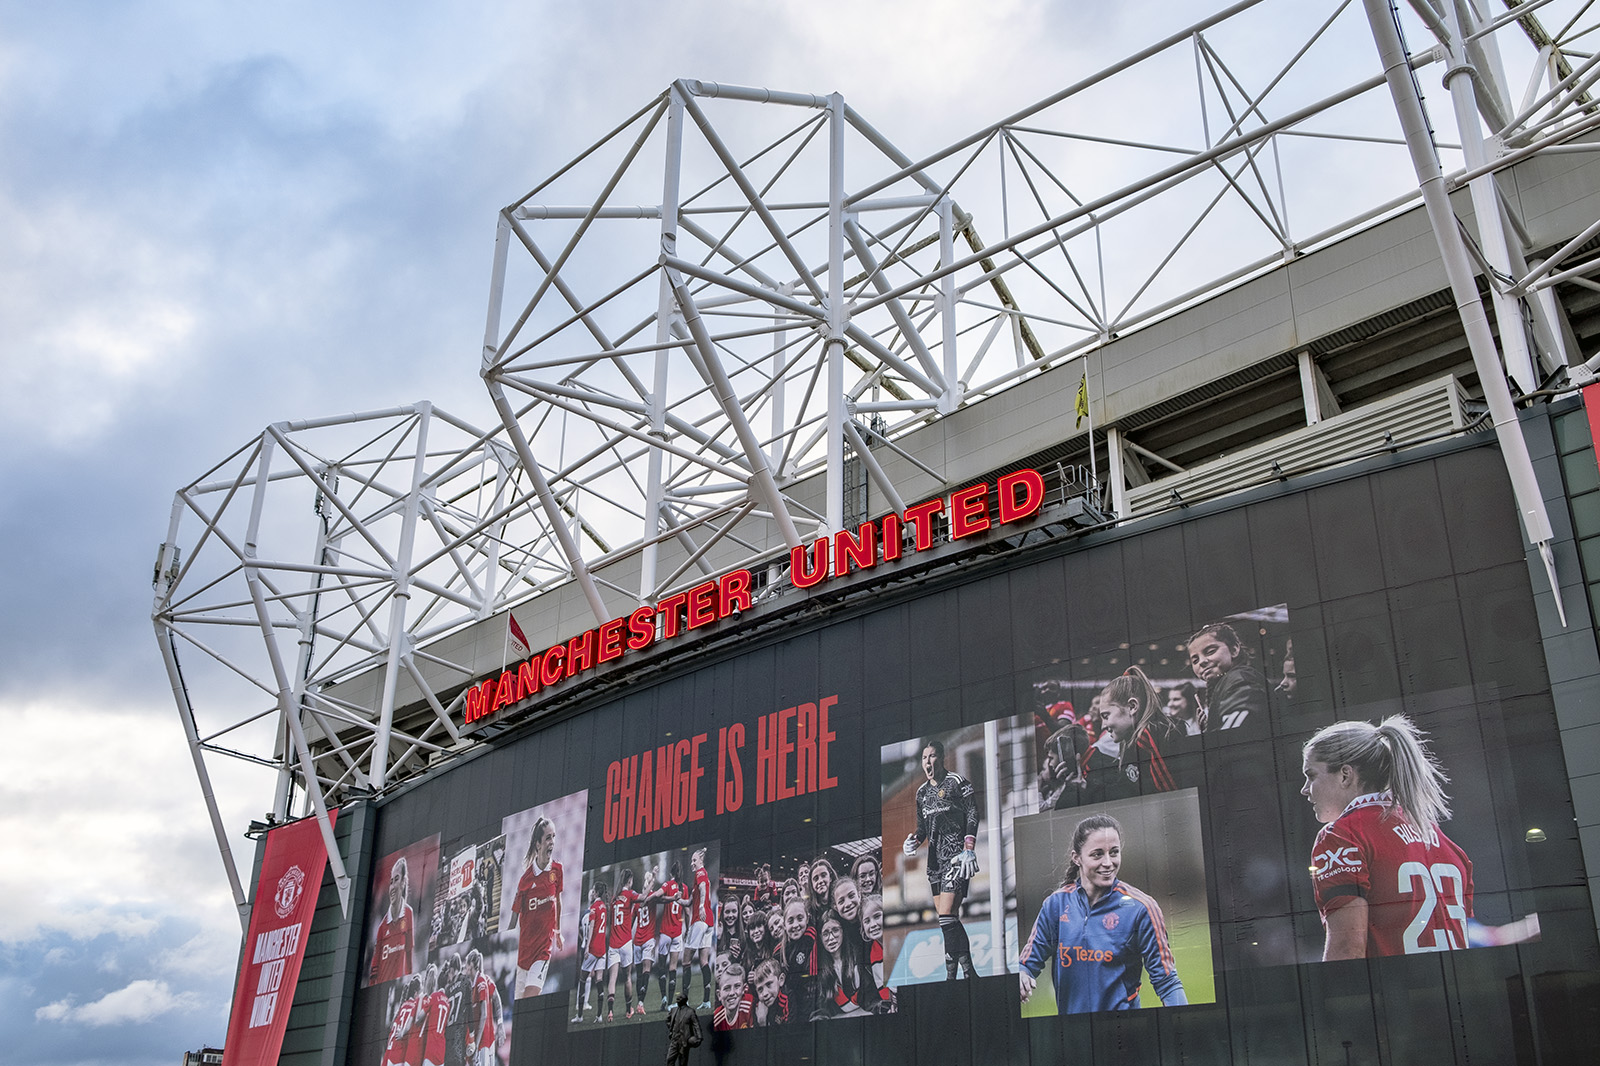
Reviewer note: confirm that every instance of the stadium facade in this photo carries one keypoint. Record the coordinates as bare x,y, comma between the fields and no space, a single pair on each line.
794,474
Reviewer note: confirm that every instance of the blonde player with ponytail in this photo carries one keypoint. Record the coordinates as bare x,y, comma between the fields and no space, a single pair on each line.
1124,760
1387,879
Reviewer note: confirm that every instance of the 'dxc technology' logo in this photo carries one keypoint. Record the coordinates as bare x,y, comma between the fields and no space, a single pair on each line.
1337,860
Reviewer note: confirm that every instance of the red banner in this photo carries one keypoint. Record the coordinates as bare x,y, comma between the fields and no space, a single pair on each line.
1591,406
280,922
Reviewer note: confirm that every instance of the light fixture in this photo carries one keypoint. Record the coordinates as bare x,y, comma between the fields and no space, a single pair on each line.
1534,836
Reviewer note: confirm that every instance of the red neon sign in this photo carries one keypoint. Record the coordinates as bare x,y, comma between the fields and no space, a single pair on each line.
969,511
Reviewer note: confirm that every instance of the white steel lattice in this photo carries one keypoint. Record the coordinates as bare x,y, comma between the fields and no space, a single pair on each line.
698,324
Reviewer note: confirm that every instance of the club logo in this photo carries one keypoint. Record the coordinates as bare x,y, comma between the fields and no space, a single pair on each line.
290,887
1337,860
1132,771
1109,921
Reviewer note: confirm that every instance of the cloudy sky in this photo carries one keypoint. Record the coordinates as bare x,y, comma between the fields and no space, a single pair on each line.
216,216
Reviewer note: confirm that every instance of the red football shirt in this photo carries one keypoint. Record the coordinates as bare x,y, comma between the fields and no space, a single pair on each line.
673,893
483,994
396,1053
644,926
700,906
743,1016
538,907
435,1015
391,957
597,927
1417,883
623,906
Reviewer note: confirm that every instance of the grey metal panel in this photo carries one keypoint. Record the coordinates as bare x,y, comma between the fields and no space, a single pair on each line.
1559,195
1365,274
1235,329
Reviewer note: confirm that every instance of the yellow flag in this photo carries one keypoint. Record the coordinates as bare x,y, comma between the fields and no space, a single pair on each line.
1081,404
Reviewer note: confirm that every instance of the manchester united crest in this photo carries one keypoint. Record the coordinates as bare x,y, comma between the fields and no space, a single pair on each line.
290,886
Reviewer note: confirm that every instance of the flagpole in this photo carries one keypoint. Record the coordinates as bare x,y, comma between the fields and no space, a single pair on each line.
1094,480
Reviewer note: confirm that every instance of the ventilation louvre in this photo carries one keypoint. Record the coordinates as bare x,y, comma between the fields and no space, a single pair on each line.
1431,408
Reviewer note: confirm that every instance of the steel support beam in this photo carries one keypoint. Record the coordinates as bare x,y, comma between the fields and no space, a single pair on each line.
762,483
672,176
1384,21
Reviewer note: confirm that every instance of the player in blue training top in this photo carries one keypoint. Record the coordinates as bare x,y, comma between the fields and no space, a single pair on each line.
1098,932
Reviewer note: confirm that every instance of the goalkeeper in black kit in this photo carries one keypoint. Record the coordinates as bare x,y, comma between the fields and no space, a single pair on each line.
947,821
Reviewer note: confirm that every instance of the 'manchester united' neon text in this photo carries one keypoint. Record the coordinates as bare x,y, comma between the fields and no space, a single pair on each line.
882,539
699,606
967,512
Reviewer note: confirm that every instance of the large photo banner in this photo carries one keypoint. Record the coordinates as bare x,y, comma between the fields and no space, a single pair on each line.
800,938
501,923
1117,907
542,903
949,801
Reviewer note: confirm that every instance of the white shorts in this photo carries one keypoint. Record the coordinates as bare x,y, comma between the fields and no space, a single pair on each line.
593,962
534,975
699,936
626,951
613,957
668,945
645,952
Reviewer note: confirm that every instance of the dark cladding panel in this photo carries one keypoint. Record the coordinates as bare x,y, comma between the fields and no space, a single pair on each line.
1312,703
1431,646
1156,577
1097,606
1196,1036
1502,630
1221,574
984,620
934,633
1360,633
849,761
1411,525
1038,621
842,662
1345,535
1125,1036
887,672
1281,550
1248,840
1481,534
798,667
1266,1012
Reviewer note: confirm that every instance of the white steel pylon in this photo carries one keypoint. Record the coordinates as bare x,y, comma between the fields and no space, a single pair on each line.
306,581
